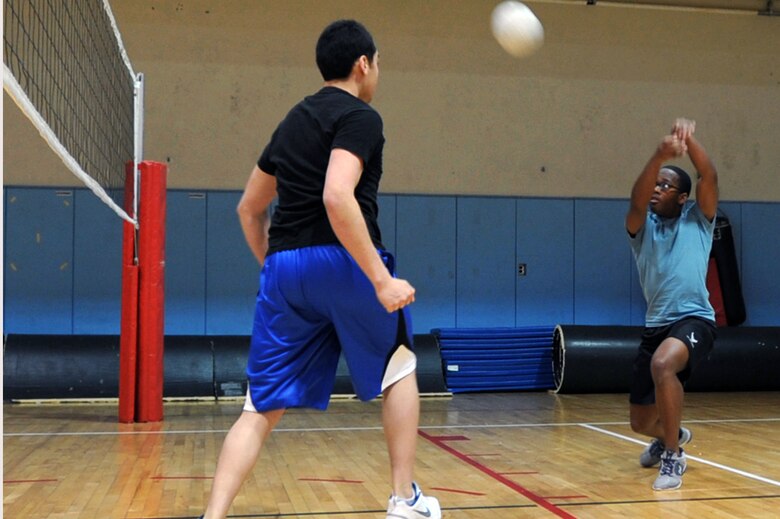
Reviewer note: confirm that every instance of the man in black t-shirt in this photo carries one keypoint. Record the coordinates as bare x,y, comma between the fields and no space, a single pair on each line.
327,284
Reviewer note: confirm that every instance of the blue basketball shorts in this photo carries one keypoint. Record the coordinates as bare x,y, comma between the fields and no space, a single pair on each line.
313,304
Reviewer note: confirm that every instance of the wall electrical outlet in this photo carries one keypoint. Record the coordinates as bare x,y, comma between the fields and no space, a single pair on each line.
521,269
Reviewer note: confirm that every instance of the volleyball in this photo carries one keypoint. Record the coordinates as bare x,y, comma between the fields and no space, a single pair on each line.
516,28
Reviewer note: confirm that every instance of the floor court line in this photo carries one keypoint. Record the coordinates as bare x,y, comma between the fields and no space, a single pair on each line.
594,426
667,500
695,458
368,428
539,500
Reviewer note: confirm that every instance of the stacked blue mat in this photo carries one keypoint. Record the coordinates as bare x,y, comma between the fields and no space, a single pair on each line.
496,359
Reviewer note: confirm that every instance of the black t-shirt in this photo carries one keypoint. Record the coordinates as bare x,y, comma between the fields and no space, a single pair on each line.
298,156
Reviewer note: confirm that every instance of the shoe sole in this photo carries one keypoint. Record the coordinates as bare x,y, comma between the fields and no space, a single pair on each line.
667,488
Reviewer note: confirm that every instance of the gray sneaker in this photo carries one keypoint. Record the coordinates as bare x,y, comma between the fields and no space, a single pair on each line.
652,453
685,436
673,466
651,456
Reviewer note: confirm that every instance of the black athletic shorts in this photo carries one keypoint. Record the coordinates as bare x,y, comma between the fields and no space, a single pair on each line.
698,336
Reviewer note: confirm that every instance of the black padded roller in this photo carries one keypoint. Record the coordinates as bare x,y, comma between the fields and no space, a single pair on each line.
87,366
599,359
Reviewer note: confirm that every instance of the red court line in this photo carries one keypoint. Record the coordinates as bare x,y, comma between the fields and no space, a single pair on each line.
326,480
539,500
12,481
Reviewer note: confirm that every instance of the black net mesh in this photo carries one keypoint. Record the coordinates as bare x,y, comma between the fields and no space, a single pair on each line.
66,57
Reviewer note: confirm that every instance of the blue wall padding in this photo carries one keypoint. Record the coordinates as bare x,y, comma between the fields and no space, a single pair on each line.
496,359
62,268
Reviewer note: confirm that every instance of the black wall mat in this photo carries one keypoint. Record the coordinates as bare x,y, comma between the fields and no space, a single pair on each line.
599,359
87,366
60,366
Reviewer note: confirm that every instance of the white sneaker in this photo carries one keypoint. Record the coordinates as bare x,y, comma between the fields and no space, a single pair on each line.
418,507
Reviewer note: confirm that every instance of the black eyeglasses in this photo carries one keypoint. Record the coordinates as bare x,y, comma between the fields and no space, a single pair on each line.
665,186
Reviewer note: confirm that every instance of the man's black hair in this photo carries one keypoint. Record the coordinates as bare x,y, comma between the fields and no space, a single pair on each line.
340,45
684,178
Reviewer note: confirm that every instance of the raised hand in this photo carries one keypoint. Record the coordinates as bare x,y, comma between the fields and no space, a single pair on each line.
671,146
683,129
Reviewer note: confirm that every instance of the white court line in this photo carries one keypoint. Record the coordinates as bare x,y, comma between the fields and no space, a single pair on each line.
302,429
729,420
700,460
373,428
318,429
591,426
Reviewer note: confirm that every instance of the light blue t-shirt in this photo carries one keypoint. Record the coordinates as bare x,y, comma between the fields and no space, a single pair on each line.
672,256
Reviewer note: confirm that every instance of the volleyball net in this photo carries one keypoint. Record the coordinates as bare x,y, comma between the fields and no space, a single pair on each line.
66,68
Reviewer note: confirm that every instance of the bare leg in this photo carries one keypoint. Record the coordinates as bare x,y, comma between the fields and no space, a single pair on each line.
670,358
239,454
645,420
400,418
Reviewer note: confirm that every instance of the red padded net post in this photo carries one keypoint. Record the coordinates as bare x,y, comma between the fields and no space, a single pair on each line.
128,339
143,297
151,294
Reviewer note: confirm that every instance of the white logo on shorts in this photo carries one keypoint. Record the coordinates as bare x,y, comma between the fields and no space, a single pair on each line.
692,340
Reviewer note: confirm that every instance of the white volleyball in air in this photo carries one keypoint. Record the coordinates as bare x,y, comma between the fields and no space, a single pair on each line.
517,29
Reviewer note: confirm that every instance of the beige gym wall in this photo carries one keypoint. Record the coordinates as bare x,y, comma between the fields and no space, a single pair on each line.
577,119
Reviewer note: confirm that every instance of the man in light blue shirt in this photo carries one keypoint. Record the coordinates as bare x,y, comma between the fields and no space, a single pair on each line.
671,238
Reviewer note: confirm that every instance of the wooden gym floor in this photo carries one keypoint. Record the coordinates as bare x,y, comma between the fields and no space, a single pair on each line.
498,455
